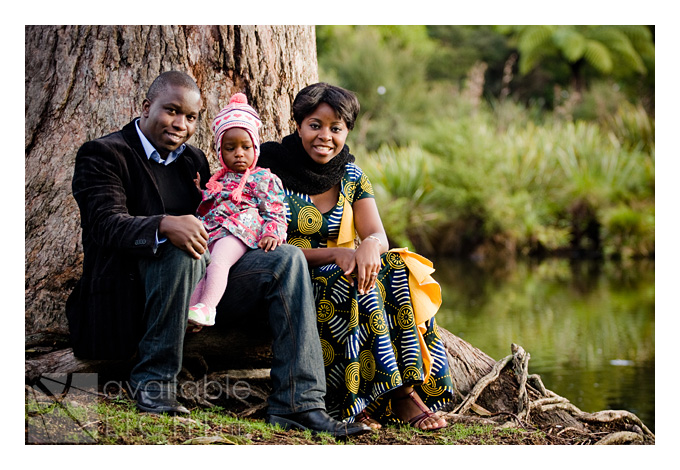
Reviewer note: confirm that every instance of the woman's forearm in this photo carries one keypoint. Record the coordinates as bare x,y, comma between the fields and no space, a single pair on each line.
322,256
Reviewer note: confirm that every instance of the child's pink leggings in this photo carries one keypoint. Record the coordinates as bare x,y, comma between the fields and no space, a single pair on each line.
224,253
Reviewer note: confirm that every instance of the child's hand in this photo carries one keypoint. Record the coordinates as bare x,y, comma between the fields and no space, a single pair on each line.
197,180
269,243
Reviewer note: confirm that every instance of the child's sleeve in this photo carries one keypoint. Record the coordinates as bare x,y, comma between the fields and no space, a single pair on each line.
273,209
206,204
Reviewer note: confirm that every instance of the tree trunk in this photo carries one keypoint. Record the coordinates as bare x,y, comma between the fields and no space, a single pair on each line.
83,82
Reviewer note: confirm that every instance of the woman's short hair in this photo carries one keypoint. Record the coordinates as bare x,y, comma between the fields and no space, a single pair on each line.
344,102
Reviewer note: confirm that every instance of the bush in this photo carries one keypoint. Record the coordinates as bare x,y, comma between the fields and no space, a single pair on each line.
455,169
480,178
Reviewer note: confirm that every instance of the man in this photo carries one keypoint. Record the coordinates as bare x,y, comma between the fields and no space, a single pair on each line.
145,251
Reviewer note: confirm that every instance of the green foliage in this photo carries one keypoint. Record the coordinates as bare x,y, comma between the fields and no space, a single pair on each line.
401,180
597,166
460,47
629,230
384,67
519,182
633,127
454,172
608,49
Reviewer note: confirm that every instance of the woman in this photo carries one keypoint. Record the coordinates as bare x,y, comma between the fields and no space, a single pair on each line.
383,357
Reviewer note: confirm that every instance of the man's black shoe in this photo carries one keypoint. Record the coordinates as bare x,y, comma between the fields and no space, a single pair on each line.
158,402
318,421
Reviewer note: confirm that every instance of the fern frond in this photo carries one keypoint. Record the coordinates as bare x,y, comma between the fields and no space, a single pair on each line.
570,42
638,34
598,55
621,46
630,57
528,60
534,42
534,37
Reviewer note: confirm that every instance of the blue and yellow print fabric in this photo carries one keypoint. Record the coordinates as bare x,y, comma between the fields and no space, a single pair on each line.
369,342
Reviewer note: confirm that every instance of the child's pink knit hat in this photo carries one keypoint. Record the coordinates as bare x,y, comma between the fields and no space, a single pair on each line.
236,114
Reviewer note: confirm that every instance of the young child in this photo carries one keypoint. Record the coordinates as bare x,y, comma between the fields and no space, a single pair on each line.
242,206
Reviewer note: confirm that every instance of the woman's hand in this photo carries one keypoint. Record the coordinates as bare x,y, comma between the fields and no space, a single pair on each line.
344,258
374,243
364,262
367,260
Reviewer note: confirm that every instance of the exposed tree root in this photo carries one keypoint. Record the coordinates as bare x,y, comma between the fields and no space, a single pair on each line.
498,393
246,394
481,385
533,402
520,364
622,437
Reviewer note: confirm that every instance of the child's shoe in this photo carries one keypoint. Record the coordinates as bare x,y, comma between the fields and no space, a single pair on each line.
201,314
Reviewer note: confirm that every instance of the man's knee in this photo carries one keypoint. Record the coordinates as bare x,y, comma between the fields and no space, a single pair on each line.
283,264
289,264
174,262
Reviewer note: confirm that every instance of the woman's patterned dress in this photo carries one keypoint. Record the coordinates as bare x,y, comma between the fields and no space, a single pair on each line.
370,342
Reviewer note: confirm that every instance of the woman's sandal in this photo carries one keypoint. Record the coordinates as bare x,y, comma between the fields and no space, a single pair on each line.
363,417
416,421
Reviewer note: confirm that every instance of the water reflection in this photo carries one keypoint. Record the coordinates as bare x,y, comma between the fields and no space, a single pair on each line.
589,326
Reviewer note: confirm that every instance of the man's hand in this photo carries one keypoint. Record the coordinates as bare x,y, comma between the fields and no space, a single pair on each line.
269,243
186,232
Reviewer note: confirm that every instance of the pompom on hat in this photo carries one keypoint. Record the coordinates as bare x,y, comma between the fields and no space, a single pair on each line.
238,113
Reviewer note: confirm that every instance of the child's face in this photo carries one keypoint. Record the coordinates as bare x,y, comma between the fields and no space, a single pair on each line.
237,149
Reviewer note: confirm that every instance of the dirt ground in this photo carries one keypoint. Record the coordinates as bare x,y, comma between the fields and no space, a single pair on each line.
90,419
245,421
454,434
458,434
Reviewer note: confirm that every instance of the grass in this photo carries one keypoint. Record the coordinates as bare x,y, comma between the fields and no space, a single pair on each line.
121,423
117,422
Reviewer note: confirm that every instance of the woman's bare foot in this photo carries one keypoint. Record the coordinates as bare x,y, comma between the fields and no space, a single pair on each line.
367,420
407,406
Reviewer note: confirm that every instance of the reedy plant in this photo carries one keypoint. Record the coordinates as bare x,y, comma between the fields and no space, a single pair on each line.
401,181
476,178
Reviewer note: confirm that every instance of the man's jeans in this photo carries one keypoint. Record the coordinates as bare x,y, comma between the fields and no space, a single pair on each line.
276,284
169,279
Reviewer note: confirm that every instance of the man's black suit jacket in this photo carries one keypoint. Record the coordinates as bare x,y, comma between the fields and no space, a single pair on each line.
120,210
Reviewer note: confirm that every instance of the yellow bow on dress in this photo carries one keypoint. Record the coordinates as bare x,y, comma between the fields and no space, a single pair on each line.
426,297
426,293
347,232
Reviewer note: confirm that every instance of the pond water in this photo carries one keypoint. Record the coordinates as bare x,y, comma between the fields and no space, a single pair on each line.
588,326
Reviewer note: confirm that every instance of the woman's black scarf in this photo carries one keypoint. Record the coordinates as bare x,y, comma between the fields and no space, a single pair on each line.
298,172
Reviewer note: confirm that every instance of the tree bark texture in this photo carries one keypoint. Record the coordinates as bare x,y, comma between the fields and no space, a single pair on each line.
82,82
